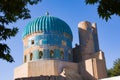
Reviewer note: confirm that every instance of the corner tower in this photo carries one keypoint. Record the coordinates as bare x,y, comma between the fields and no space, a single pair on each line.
93,66
88,38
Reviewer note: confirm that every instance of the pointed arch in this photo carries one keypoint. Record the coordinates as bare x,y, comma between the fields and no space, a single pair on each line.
32,42
51,53
62,55
40,54
31,56
25,59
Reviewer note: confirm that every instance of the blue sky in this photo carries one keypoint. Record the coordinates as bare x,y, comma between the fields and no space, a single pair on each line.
72,12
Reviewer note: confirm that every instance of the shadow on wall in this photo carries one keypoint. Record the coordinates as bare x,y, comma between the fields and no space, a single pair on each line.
84,73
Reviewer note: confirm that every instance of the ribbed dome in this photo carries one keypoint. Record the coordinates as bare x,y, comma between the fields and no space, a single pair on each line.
47,24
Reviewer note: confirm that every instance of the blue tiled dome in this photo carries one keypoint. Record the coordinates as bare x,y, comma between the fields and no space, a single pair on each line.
47,24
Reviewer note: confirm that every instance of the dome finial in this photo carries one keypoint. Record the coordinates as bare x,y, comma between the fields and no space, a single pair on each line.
47,13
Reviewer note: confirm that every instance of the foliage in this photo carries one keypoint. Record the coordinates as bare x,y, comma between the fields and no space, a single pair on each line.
10,12
106,8
115,71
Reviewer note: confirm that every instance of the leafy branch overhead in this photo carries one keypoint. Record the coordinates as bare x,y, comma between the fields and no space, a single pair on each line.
106,8
10,12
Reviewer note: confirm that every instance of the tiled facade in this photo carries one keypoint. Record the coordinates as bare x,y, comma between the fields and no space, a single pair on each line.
47,42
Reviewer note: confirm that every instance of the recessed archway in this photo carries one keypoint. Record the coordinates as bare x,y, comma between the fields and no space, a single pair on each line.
51,53
62,55
25,59
40,54
31,56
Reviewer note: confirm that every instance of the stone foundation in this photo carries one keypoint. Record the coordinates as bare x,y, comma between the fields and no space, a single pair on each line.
43,67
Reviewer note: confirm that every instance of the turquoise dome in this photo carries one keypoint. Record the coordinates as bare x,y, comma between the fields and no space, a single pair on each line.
47,24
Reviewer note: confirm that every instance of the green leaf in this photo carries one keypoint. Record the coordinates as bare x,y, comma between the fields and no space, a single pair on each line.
10,12
91,1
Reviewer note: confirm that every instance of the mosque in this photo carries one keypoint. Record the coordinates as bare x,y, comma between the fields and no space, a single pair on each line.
48,51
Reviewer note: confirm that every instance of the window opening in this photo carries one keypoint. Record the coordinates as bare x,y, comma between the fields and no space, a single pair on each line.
40,54
62,55
51,53
32,42
31,56
25,58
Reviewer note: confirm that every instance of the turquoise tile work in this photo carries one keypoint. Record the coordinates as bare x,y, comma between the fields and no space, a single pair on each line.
54,40
46,24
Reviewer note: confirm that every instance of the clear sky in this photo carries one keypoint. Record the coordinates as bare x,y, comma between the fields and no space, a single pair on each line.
72,12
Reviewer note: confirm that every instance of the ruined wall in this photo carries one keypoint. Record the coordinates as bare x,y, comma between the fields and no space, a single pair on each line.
91,60
88,39
94,68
